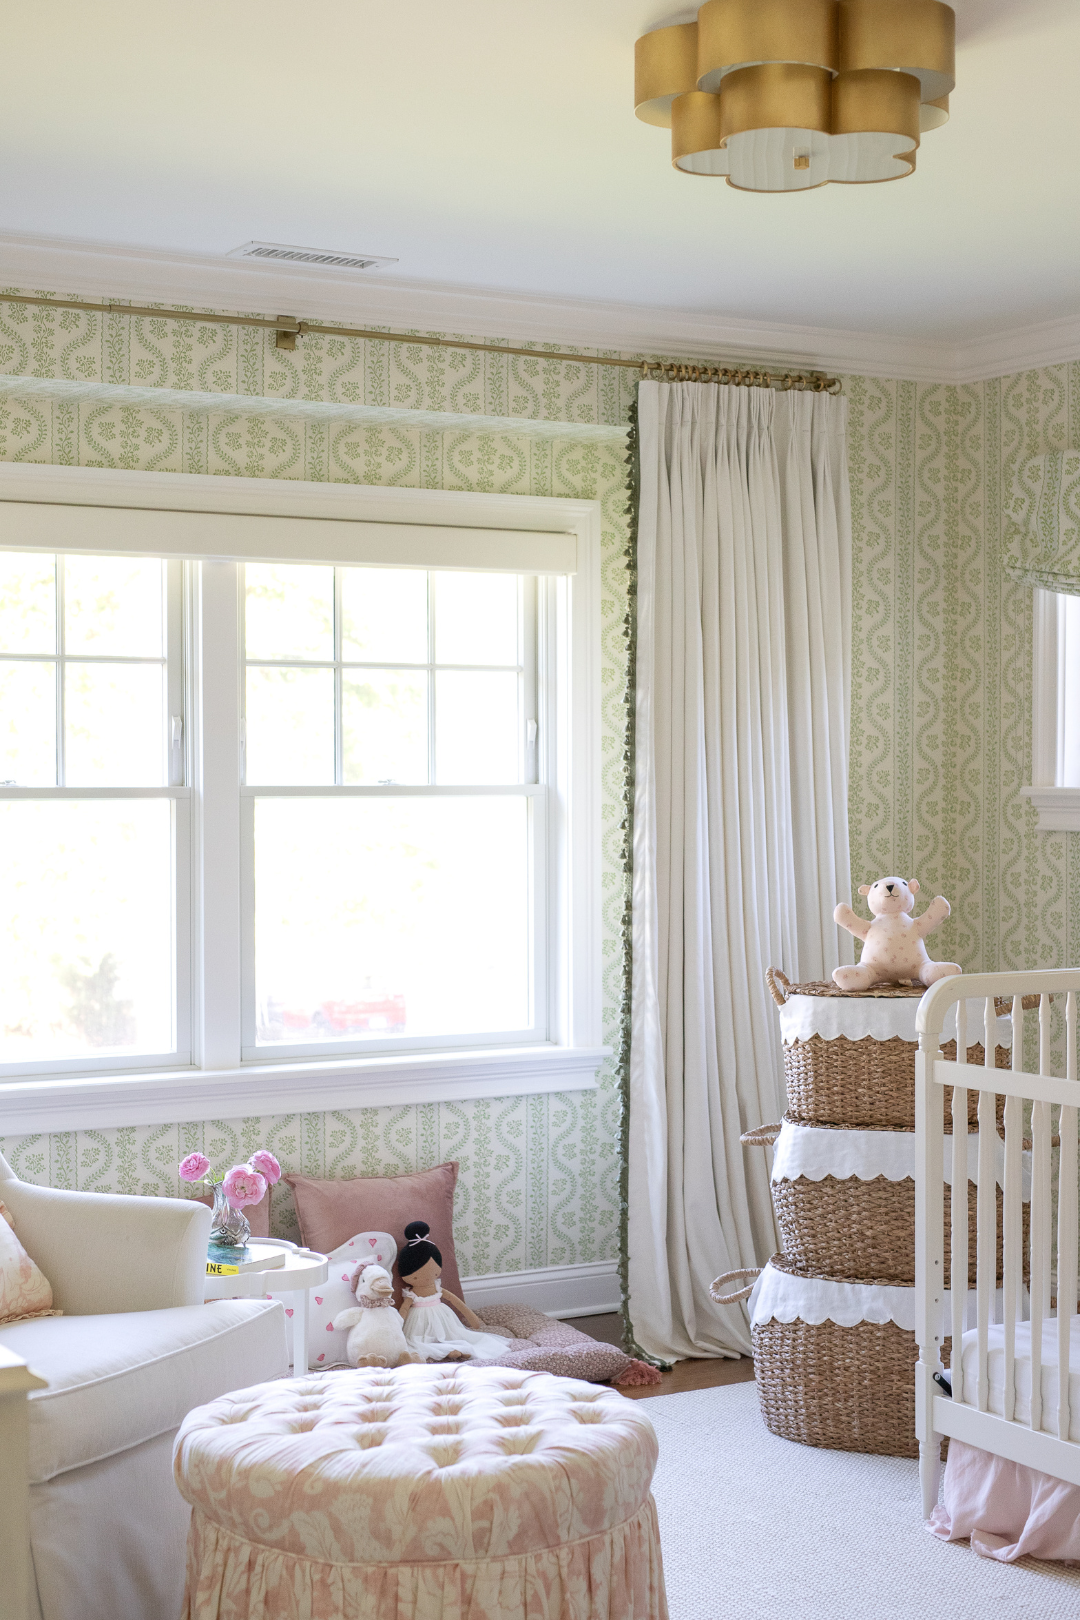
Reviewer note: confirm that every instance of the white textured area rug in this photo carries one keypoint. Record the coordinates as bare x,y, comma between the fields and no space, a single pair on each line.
752,1525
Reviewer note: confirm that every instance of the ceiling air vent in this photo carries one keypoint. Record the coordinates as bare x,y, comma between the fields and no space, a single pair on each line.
326,258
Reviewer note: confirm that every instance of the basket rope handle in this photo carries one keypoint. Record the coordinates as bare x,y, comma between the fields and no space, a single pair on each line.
779,985
764,1136
731,1276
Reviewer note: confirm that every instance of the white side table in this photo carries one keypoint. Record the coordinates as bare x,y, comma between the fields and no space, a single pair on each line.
303,1269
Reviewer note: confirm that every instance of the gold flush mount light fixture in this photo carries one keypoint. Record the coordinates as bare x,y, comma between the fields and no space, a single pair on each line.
784,95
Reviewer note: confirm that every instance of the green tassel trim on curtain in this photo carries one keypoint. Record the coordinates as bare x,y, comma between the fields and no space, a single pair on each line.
633,462
1042,537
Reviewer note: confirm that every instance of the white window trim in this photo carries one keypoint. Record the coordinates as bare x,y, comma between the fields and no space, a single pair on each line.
1058,807
217,1085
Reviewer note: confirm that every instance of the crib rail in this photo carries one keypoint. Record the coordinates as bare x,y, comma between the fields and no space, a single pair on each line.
1015,1329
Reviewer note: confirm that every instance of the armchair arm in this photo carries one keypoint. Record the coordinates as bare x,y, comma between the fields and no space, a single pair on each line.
108,1252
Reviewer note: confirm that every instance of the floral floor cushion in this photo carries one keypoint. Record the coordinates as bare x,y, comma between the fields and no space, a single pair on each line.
420,1492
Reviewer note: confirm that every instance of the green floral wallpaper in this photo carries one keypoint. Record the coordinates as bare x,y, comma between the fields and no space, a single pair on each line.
941,691
942,665
539,1175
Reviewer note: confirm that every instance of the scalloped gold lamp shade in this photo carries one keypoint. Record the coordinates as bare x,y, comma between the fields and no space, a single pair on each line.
783,95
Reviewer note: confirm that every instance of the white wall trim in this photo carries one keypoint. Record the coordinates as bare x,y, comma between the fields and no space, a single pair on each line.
1046,674
97,1101
1058,807
278,497
76,268
562,1291
1024,348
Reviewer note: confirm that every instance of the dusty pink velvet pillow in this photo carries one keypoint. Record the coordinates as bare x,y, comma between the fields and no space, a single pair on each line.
331,1212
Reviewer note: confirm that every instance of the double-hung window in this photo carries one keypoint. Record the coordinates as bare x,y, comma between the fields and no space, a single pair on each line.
94,814
298,808
1055,792
393,813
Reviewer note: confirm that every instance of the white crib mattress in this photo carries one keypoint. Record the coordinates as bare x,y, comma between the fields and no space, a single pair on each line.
995,1366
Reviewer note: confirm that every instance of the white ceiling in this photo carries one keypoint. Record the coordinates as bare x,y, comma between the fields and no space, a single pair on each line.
492,145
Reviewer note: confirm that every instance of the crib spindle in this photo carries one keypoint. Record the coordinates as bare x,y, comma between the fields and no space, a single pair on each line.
1040,1219
1013,1227
1040,1246
958,1242
1067,1229
986,1206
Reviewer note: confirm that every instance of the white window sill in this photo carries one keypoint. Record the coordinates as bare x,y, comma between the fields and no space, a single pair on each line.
1058,807
94,1101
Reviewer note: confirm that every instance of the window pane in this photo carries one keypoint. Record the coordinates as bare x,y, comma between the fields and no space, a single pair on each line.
1069,691
383,917
477,727
384,725
27,603
28,724
290,727
114,725
86,953
384,615
289,611
476,618
114,606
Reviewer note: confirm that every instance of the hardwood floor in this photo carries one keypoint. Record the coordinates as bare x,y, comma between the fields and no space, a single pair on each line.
685,1375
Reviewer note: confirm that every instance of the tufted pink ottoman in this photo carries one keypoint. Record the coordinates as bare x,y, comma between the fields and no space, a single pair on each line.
423,1493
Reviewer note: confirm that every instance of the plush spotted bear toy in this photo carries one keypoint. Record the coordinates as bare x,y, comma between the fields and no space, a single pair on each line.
893,940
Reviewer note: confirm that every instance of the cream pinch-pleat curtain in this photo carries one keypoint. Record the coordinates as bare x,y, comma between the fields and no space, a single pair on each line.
740,843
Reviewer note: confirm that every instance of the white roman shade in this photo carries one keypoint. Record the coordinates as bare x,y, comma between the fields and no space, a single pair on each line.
1042,523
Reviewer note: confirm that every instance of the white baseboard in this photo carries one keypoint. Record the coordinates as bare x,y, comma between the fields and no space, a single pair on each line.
561,1291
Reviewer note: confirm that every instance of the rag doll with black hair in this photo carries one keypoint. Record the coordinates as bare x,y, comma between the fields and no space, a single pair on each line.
432,1318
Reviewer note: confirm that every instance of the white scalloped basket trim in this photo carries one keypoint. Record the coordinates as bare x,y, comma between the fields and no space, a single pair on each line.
807,1152
881,1018
779,1297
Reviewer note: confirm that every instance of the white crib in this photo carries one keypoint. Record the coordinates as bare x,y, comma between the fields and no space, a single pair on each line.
1014,1388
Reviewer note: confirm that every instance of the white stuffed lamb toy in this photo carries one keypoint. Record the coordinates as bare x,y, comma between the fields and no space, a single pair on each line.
893,940
376,1334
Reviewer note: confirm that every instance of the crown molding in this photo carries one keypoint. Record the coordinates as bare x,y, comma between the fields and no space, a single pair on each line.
1025,348
101,270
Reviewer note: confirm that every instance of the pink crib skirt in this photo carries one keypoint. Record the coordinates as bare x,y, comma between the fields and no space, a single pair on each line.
1007,1510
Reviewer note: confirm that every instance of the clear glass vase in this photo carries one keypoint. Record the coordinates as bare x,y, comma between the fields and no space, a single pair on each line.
229,1228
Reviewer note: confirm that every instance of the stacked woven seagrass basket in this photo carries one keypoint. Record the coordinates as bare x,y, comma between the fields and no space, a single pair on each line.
850,1387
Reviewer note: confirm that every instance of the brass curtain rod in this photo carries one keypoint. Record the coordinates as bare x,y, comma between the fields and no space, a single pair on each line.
288,329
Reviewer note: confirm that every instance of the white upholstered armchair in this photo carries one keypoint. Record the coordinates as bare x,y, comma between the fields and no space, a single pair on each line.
135,1350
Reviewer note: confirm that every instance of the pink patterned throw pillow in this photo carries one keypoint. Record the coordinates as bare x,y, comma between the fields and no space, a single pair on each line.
25,1291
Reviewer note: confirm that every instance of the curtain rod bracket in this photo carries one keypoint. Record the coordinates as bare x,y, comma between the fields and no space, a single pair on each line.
287,329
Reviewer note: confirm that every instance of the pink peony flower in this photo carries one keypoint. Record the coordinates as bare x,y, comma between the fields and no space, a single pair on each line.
243,1186
194,1167
266,1165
